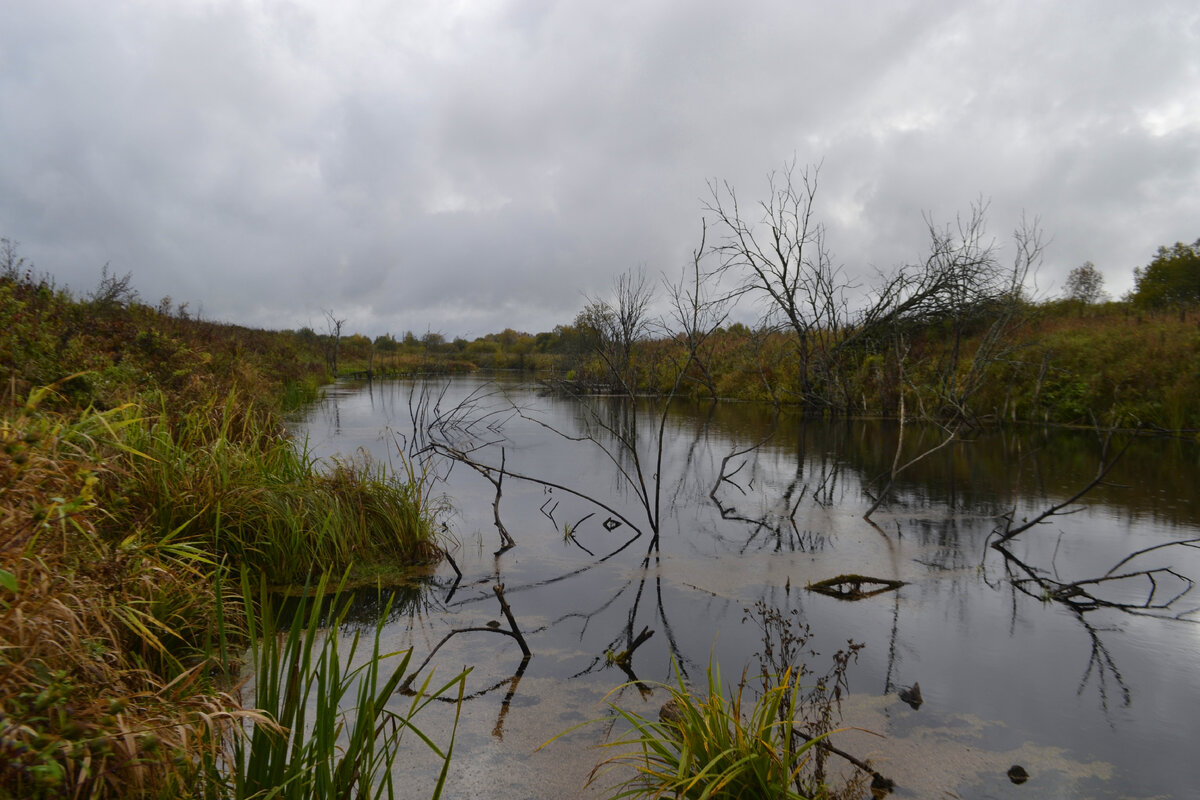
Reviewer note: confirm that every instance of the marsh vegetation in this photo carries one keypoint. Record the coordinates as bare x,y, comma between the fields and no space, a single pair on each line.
146,479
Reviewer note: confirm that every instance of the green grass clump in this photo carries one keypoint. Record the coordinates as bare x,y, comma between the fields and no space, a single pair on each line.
97,698
142,462
715,747
114,526
232,483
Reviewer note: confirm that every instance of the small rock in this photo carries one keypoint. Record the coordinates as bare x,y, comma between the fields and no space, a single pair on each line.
1017,774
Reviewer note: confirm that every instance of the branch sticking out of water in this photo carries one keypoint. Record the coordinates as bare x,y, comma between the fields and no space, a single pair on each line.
625,657
514,631
1106,465
512,622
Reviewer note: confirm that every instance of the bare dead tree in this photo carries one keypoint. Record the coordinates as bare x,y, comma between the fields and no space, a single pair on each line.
618,325
782,257
998,303
697,312
963,284
698,315
13,265
334,328
113,291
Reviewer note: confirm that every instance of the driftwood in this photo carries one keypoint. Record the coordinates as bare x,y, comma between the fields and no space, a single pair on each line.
850,587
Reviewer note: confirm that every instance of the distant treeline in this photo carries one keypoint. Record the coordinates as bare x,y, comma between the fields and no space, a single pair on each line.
1077,359
949,345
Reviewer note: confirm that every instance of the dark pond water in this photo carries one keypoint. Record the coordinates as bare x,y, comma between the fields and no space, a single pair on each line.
1098,703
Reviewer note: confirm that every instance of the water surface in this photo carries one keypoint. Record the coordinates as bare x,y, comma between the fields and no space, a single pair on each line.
1094,704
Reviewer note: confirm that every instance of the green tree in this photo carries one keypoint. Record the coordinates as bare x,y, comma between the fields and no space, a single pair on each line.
433,341
386,343
1172,279
1085,284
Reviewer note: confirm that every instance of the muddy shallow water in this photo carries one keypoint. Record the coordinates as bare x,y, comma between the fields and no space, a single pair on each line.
1093,704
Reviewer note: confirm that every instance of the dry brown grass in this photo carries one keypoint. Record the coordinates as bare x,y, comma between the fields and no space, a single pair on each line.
88,705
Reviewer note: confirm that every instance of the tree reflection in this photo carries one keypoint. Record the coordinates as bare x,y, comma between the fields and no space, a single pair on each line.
1126,587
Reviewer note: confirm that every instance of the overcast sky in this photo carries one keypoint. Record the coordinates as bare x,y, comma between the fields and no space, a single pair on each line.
468,166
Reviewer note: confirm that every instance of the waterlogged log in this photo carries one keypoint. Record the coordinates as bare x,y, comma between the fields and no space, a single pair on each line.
854,587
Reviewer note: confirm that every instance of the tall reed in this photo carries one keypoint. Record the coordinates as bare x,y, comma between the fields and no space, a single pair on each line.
329,729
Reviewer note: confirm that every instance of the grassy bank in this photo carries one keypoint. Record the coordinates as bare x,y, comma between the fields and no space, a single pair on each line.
1064,364
143,471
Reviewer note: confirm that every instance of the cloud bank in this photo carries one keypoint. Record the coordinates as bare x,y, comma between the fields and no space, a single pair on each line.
466,167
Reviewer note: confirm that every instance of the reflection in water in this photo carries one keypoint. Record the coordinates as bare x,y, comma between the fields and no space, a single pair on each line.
752,506
365,606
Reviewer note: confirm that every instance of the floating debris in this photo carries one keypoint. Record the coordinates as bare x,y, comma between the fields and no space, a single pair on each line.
881,787
912,696
854,587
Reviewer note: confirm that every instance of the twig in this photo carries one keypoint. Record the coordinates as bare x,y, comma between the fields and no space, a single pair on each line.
457,576
570,532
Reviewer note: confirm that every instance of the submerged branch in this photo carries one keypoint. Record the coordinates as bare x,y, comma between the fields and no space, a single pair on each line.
877,781
1102,471
459,455
513,632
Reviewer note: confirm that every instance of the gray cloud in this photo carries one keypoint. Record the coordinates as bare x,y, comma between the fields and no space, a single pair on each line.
466,167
